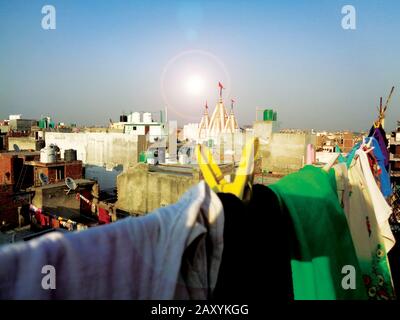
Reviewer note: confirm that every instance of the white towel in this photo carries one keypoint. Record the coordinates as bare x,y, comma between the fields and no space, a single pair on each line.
135,258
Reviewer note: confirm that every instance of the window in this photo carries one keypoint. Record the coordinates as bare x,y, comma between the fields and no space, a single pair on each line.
60,173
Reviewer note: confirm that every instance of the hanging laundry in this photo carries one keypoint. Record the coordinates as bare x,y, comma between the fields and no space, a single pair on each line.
380,135
55,223
342,185
381,208
174,252
365,231
104,217
42,219
80,227
67,224
256,257
323,243
383,175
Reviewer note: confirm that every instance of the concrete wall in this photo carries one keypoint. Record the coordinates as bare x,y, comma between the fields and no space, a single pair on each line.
105,151
22,124
191,131
23,143
155,131
100,149
141,191
53,198
286,152
264,130
138,129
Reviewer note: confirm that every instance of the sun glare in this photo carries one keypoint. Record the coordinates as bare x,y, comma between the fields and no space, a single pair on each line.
195,85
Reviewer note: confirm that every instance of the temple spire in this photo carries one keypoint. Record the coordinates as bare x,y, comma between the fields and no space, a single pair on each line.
205,121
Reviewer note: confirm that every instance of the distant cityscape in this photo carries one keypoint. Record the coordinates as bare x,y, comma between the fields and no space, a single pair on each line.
41,159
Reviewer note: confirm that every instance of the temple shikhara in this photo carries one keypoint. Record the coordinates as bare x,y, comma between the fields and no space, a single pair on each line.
220,122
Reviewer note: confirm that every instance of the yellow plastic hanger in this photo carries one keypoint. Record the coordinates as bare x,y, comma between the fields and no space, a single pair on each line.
243,176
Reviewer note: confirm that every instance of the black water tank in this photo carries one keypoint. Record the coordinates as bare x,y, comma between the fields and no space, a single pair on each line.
40,144
123,118
70,155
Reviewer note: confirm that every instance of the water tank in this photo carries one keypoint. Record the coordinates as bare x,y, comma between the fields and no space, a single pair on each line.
183,155
147,117
161,155
42,124
48,155
40,144
275,116
142,157
123,118
136,117
183,159
130,118
70,155
152,156
268,115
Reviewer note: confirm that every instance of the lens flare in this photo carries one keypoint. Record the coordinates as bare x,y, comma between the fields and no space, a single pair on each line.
195,85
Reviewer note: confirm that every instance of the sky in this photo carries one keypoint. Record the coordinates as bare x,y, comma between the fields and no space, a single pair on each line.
107,57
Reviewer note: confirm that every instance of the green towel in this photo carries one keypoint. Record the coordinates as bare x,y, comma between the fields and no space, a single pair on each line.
323,243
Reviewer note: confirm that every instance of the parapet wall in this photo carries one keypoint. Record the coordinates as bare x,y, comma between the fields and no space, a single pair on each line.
141,191
286,152
99,148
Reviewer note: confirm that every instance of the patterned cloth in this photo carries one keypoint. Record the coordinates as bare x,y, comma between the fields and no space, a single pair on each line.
365,211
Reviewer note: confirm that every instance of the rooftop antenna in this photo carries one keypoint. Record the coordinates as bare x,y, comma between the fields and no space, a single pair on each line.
71,184
43,179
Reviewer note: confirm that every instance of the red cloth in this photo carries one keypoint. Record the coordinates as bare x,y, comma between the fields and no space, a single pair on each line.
104,217
42,219
55,223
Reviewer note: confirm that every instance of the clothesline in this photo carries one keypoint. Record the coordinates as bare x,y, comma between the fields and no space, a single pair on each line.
295,236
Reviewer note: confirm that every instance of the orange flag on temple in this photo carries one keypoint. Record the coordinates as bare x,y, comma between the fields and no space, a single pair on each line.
220,89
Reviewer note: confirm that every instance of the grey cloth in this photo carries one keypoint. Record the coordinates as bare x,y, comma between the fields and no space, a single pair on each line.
172,253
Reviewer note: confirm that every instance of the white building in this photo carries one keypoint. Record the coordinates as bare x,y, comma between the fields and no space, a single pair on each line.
104,155
138,125
191,131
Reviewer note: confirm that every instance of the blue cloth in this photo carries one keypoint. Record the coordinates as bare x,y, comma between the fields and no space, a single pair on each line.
384,176
380,135
352,153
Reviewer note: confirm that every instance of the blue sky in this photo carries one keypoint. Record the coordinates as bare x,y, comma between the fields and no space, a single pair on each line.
106,57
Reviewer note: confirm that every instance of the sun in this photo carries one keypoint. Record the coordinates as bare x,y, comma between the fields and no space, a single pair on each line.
194,85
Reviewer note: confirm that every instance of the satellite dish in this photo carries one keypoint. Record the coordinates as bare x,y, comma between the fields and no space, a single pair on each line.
43,179
16,148
71,184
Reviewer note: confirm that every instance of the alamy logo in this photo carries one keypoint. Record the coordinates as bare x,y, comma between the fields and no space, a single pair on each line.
49,20
349,20
49,280
349,280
